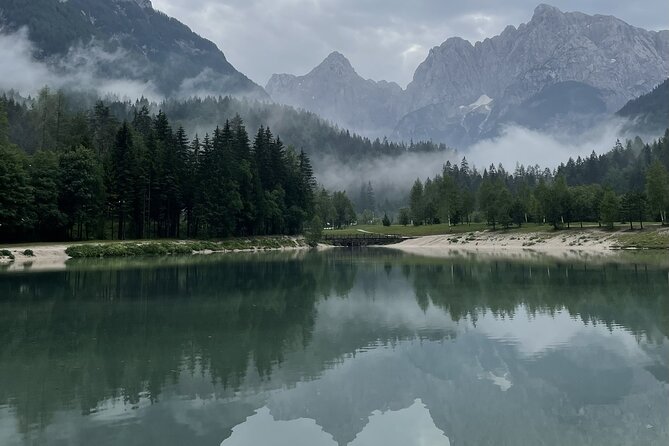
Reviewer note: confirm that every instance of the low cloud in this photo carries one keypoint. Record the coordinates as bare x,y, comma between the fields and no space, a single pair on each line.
391,177
78,69
519,145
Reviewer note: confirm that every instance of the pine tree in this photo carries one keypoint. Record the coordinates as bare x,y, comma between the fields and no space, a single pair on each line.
609,209
416,203
657,188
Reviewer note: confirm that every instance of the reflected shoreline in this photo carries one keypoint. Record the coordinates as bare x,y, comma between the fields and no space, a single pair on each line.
240,331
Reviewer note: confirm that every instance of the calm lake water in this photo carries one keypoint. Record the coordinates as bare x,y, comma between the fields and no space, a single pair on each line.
335,348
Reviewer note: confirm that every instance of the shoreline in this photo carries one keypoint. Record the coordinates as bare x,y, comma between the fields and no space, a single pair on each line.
583,244
53,256
574,244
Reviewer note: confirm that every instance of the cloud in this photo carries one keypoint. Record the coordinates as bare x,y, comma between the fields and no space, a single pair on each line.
78,69
262,37
390,176
531,147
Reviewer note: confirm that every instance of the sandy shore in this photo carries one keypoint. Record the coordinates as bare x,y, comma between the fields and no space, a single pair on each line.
45,257
575,244
50,257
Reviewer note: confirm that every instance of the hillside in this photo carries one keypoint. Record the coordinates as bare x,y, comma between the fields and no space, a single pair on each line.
125,39
650,112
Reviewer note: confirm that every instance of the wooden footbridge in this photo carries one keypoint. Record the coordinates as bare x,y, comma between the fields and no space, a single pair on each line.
365,239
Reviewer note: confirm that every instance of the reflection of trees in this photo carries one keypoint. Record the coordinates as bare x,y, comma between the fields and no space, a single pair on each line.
129,328
634,296
91,334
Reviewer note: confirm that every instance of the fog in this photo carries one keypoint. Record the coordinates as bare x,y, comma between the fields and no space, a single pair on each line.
531,147
390,176
21,72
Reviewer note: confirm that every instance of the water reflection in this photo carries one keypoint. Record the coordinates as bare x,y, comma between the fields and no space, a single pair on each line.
334,348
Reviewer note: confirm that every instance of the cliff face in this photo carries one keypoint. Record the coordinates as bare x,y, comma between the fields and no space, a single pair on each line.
335,91
566,67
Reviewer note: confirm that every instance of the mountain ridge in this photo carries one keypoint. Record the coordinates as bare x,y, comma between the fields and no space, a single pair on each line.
572,50
146,43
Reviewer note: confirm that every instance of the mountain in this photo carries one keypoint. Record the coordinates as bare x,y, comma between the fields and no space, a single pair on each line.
561,70
125,39
336,92
650,112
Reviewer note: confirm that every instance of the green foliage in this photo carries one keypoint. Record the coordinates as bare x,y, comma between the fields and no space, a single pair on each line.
314,232
6,253
344,214
386,220
417,203
29,253
404,217
141,179
16,195
165,248
657,189
609,209
496,201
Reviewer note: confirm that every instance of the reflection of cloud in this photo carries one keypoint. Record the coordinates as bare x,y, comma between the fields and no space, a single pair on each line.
404,427
534,335
263,429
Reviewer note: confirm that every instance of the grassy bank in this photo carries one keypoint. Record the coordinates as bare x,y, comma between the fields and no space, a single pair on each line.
646,239
174,247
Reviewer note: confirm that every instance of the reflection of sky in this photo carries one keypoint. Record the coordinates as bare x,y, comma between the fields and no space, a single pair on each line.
535,334
404,427
532,379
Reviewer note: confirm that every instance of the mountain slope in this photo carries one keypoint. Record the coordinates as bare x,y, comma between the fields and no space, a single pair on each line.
649,112
335,91
534,75
125,39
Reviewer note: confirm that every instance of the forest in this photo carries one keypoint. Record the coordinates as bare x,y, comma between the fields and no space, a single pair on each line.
93,176
628,184
119,171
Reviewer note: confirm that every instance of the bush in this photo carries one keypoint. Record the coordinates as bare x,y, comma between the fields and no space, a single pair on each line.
29,253
386,220
6,253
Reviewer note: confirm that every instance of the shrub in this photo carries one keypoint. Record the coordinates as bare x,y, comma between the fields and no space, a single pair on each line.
6,253
29,253
386,220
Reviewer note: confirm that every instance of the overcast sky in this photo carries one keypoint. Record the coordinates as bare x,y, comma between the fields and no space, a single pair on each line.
383,39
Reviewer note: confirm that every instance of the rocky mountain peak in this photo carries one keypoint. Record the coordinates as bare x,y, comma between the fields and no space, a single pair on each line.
546,11
337,64
557,69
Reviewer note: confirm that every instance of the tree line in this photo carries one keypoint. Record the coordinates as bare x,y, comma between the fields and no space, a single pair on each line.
108,179
628,184
53,118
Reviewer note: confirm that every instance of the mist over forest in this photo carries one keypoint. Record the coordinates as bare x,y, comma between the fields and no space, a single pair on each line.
84,90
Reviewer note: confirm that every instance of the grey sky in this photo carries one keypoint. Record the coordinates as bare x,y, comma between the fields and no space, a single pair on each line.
383,39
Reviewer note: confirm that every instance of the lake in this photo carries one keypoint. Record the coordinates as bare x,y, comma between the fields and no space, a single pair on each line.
370,347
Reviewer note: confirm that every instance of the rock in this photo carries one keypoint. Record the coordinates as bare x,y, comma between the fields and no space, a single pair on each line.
519,70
